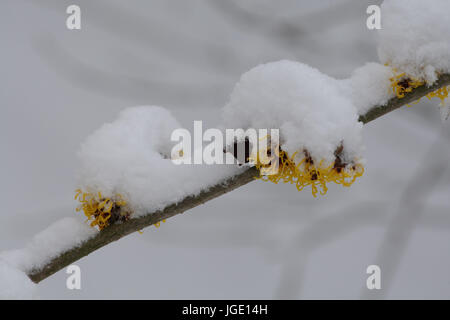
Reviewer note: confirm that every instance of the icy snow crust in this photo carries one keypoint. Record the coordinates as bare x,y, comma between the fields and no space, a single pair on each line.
415,37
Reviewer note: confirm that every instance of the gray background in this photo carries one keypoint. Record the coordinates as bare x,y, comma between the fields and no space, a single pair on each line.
261,241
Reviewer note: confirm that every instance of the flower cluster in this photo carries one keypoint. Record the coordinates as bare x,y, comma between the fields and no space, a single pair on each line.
100,210
307,173
402,84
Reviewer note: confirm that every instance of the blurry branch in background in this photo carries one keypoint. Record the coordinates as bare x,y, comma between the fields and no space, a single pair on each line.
116,231
324,231
158,37
318,234
410,207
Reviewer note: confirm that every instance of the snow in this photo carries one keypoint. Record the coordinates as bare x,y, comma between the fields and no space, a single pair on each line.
62,235
415,37
415,40
14,284
368,86
307,106
131,157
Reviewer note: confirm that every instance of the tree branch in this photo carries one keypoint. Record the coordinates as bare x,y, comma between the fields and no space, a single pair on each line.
395,103
117,231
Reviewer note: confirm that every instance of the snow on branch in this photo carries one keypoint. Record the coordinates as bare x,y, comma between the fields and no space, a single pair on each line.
395,103
117,231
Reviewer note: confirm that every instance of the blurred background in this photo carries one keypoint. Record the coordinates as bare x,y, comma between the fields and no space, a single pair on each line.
262,241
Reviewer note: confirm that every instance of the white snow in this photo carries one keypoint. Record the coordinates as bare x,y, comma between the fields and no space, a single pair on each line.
49,243
415,37
369,86
309,108
131,157
14,283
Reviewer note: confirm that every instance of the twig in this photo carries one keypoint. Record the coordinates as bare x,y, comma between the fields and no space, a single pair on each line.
117,231
395,103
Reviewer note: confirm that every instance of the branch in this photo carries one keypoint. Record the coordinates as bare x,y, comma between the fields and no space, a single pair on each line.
117,231
395,103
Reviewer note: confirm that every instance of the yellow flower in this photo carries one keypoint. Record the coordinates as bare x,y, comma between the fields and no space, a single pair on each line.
307,173
98,209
